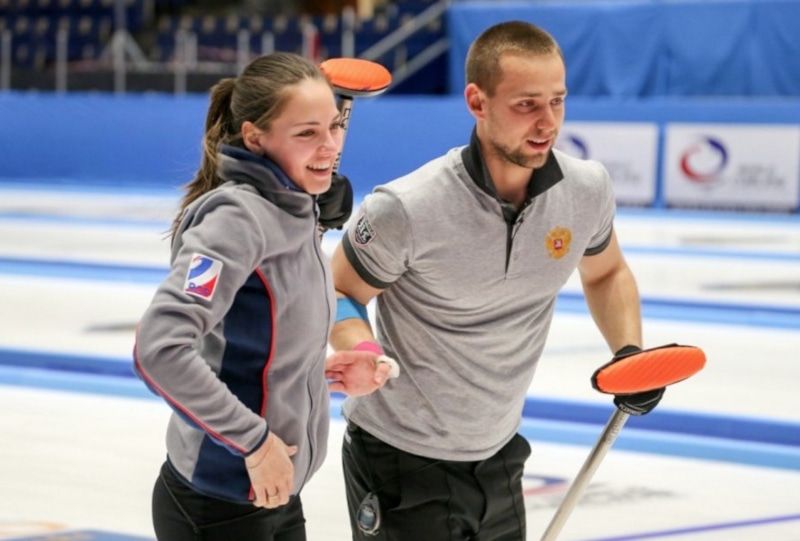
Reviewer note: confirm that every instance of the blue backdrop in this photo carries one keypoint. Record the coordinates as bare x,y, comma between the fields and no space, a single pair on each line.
153,141
653,48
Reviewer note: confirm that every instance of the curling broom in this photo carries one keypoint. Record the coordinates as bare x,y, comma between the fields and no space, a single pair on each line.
647,370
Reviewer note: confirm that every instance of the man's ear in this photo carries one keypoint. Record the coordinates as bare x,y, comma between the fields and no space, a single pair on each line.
474,98
250,135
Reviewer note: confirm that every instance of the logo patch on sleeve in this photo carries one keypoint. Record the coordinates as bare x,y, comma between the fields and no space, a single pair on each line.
364,233
201,280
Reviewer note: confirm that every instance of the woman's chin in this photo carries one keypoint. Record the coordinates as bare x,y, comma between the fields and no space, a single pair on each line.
317,185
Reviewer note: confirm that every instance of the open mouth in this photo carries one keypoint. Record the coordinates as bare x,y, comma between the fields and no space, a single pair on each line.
320,167
539,144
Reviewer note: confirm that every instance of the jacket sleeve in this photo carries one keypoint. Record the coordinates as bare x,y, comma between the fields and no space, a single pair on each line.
214,254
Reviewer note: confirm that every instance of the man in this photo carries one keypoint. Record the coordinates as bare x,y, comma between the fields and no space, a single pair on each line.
466,256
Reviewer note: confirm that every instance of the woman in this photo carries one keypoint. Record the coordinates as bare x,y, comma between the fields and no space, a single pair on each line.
235,338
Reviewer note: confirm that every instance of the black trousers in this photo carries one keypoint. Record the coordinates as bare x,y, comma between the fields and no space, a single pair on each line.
182,514
424,499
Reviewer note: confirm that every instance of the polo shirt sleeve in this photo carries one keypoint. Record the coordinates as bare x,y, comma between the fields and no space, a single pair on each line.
378,245
607,206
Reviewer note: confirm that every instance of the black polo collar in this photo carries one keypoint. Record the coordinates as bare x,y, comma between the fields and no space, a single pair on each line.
541,180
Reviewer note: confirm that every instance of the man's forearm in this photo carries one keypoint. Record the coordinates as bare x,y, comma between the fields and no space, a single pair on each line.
348,333
615,306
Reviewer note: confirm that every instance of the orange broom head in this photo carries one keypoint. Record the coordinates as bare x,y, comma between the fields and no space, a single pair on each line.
649,369
356,76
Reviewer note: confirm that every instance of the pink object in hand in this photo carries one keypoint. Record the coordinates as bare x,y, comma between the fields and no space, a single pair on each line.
366,345
372,347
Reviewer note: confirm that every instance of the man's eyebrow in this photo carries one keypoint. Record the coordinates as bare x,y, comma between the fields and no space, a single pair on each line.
524,94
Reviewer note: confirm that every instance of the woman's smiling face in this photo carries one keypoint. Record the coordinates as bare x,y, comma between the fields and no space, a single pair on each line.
305,139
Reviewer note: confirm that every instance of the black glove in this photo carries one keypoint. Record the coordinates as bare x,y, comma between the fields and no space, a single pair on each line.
639,403
636,403
336,205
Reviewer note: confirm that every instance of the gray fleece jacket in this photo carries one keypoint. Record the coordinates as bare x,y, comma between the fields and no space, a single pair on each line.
235,338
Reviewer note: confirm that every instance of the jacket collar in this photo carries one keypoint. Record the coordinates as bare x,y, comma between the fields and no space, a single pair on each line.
248,157
239,165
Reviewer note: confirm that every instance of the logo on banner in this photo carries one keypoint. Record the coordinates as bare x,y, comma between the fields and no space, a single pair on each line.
201,280
573,145
703,161
748,166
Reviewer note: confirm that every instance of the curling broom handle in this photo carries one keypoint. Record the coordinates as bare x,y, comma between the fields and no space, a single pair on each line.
604,443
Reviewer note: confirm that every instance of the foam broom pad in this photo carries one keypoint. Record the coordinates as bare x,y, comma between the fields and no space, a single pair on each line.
356,76
649,369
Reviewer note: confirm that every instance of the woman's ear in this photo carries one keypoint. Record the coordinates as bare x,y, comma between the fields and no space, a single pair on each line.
250,135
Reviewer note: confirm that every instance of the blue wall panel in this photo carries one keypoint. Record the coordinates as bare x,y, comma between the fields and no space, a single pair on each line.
653,48
154,141
101,137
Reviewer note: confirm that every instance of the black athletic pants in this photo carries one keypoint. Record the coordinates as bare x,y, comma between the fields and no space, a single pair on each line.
183,514
422,499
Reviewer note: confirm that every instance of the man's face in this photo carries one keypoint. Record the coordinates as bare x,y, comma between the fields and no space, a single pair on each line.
526,112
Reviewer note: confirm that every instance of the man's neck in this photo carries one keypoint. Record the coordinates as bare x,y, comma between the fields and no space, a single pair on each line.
510,181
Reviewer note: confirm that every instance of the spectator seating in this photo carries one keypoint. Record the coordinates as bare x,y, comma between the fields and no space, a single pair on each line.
86,26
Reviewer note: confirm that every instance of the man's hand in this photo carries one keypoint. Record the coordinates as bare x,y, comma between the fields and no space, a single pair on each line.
636,403
639,403
357,373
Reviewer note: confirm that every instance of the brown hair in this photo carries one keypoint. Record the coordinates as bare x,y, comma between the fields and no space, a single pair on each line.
258,95
516,37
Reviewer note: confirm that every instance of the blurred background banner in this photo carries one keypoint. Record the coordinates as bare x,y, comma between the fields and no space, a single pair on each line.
739,166
657,152
629,150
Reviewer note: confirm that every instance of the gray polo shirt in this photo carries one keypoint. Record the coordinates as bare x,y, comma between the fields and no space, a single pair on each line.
470,290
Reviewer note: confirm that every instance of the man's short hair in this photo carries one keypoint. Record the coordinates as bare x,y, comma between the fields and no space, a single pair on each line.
515,37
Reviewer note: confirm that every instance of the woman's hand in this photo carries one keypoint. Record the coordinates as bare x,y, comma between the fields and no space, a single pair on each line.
271,472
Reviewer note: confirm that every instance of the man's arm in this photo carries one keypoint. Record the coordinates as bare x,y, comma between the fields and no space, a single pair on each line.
358,366
348,333
612,296
613,300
